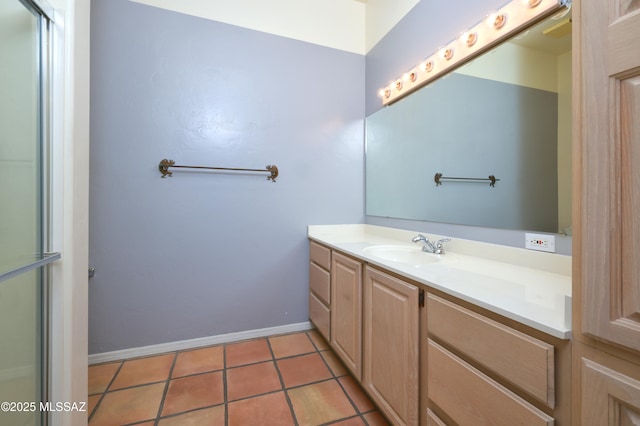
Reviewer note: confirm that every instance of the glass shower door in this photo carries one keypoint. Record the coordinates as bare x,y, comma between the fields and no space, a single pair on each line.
23,201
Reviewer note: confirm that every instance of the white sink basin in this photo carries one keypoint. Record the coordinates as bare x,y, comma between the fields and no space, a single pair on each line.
408,255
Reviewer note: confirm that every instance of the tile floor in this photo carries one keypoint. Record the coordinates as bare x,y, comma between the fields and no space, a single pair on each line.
291,379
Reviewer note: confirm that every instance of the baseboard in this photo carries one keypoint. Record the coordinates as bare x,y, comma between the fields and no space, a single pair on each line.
195,343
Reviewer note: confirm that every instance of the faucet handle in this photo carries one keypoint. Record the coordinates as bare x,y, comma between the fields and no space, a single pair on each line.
440,242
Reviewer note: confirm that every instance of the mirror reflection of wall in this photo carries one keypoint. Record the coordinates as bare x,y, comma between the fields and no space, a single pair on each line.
508,114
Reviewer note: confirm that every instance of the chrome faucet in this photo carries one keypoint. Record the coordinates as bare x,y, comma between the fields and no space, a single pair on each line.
430,247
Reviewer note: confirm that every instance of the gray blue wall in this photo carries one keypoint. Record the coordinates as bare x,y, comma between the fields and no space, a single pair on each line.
430,25
206,254
203,254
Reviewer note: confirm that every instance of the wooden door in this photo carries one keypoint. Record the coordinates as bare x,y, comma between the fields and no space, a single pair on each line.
608,244
391,343
346,311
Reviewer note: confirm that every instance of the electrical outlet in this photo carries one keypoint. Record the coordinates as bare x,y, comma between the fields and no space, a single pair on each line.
540,242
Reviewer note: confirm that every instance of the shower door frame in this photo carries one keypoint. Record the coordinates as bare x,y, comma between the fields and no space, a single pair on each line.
44,15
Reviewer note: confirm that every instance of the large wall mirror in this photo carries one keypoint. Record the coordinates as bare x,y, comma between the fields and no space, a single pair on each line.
506,114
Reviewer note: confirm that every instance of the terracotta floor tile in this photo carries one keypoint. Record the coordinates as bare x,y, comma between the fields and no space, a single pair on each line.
302,370
92,401
129,406
252,380
266,410
335,364
375,419
199,361
189,393
250,374
357,395
290,345
319,341
208,417
320,403
100,376
144,370
247,352
353,421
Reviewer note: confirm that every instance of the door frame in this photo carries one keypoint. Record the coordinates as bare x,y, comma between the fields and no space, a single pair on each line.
70,104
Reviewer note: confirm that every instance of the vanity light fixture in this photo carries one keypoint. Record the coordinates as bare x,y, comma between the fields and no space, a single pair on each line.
512,18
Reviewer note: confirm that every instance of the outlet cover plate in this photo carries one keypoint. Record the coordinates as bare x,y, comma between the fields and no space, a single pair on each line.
540,242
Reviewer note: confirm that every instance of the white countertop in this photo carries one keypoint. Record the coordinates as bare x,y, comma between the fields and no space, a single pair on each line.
533,288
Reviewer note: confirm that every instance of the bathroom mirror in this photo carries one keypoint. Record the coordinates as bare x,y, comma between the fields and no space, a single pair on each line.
506,114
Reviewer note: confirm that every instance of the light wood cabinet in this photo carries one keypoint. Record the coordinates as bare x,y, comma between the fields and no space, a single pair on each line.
610,389
472,398
320,288
372,324
484,369
346,311
609,240
522,360
391,345
449,362
606,255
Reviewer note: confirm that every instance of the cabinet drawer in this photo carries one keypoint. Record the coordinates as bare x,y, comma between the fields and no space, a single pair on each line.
319,315
320,282
320,255
471,398
522,360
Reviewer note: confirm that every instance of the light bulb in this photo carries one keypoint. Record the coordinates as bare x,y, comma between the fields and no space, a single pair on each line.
499,20
447,53
469,38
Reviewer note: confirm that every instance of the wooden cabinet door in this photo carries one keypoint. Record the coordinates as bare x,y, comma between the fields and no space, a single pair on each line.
610,391
346,311
608,243
391,343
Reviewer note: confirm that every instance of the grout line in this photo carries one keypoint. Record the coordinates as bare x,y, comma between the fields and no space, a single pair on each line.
181,413
113,378
353,404
328,366
284,389
95,409
355,416
166,387
225,385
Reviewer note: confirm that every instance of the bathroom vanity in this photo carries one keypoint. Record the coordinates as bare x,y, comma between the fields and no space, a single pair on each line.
477,335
